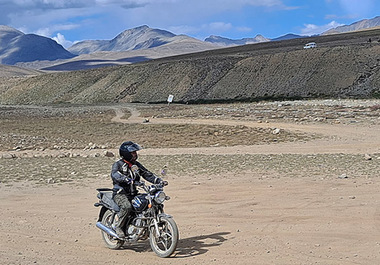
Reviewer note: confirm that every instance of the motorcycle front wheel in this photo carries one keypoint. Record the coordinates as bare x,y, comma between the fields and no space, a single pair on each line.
110,241
164,243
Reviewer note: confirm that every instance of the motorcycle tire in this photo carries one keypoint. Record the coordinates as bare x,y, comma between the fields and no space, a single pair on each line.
165,243
110,241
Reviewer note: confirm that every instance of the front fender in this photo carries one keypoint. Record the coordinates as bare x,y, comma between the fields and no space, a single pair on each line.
164,215
154,221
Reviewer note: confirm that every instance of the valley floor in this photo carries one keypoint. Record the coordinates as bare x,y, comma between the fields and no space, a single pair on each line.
308,196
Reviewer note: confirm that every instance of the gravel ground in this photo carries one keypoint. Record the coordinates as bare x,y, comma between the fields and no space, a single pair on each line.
59,170
309,199
33,128
68,128
300,111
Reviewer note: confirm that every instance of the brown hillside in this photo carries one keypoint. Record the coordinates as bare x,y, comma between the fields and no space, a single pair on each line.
344,65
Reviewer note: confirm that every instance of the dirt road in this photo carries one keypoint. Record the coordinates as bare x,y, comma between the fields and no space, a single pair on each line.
337,138
253,216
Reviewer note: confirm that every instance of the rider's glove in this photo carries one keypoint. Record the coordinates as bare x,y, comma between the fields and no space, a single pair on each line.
164,182
128,180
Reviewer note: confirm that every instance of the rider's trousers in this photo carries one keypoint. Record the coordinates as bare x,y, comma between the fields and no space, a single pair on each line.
125,208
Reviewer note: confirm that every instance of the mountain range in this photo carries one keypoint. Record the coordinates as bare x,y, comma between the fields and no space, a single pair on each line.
229,42
16,47
132,45
343,66
360,25
138,38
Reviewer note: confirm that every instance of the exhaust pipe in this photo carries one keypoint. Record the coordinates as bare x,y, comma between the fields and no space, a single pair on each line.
107,230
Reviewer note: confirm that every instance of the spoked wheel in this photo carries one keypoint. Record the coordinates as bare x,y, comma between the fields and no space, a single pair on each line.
164,243
110,241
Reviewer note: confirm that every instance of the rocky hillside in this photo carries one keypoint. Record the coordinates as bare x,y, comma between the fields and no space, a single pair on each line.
343,65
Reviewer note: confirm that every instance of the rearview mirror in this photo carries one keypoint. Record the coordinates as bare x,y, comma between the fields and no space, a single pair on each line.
164,170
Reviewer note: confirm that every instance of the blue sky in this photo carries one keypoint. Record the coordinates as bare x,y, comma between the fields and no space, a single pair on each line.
69,21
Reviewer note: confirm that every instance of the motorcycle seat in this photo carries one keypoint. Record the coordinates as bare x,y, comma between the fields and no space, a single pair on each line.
106,198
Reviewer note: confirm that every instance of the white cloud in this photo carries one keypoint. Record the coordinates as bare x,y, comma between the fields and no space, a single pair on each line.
61,40
46,32
50,4
311,29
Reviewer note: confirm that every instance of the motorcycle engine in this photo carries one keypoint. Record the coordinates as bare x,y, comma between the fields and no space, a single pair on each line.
136,227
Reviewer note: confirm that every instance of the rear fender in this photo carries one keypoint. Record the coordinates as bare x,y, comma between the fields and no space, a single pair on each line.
101,213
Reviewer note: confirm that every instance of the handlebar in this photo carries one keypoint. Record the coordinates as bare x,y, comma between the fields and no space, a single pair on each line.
152,188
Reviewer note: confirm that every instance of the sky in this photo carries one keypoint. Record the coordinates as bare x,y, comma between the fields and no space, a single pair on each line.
70,21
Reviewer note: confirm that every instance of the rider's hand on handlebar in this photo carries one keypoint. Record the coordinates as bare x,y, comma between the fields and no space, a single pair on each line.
164,183
128,180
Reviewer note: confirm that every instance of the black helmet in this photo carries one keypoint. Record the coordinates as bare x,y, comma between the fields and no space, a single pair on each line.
126,148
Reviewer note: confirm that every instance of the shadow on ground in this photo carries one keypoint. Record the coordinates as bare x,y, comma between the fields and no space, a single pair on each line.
198,245
187,247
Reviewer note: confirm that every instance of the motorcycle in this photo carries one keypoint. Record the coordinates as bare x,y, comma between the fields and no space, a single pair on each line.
147,220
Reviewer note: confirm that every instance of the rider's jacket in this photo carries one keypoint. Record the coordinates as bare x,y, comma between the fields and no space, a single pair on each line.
124,179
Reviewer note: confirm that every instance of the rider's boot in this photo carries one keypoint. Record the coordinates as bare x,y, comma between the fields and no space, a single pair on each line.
118,225
119,232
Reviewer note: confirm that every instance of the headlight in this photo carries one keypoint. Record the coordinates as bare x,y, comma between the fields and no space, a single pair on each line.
160,197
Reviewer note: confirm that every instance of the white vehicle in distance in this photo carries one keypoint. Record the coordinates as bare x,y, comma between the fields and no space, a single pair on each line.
310,45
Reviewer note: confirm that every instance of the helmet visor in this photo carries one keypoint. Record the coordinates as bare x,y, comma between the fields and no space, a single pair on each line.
133,147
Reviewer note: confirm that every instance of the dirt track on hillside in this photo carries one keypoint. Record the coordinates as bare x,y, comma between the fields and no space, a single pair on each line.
260,215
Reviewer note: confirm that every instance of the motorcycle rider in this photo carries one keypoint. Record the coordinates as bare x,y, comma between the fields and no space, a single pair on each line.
124,179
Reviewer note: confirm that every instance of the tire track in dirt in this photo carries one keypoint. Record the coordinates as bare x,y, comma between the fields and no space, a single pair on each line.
119,113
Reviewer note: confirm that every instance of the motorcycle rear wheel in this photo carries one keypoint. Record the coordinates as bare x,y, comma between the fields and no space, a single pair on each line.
110,241
165,243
